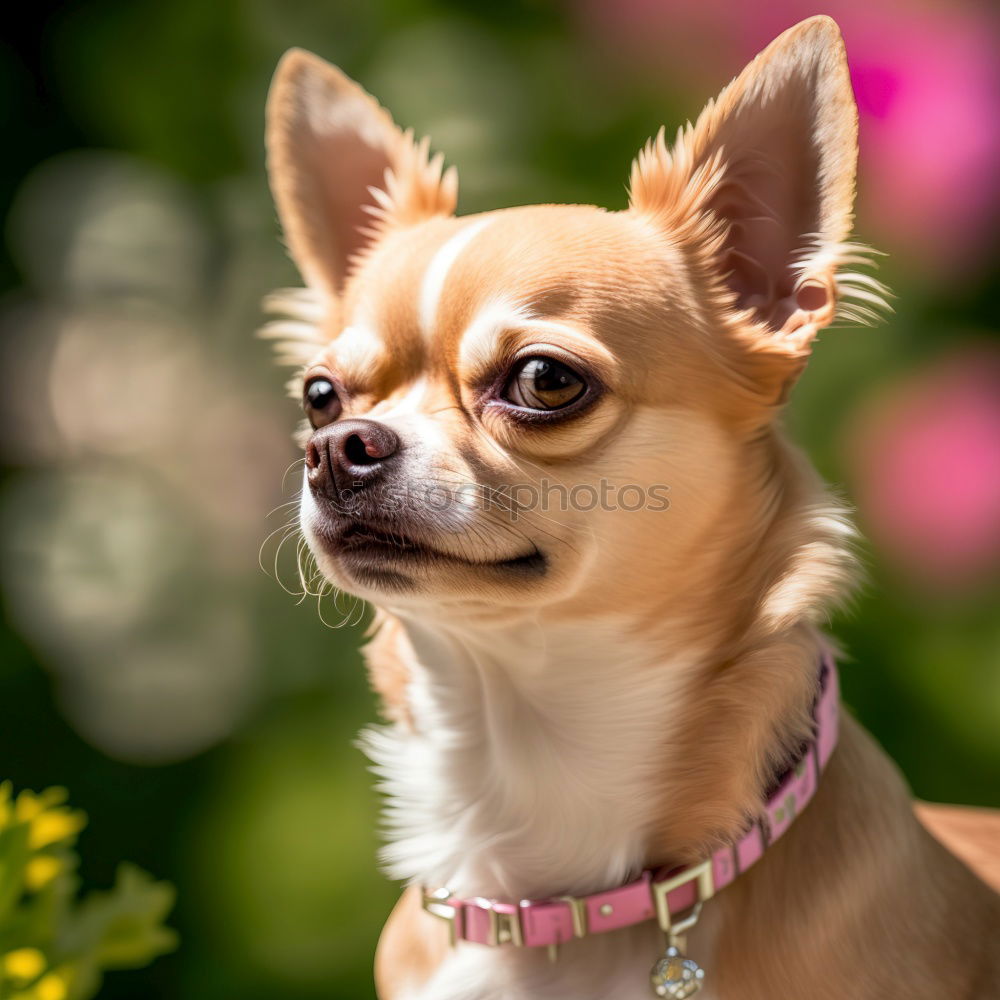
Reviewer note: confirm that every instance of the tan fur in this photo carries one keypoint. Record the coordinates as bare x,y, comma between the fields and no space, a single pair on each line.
875,922
409,949
972,834
387,668
313,111
695,309
869,903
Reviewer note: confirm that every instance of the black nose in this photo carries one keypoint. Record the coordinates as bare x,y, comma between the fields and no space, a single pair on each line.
348,454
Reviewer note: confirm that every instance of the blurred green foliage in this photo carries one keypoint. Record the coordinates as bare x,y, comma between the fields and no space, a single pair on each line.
201,716
53,947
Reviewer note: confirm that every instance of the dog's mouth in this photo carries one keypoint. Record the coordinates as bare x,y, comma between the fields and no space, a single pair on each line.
364,546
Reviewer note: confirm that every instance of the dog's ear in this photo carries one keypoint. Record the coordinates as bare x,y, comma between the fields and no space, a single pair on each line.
760,192
341,171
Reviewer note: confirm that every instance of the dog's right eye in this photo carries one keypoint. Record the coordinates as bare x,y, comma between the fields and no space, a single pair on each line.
543,384
320,401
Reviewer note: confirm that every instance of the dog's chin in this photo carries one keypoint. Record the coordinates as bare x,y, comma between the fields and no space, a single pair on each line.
374,561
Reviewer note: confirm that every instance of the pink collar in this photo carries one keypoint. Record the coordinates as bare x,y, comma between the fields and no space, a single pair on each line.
672,896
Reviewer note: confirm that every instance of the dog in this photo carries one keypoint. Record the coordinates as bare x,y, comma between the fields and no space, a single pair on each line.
544,443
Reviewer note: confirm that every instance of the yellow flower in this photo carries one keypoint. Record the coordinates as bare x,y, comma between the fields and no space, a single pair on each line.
41,870
54,986
54,825
29,805
126,921
49,820
23,965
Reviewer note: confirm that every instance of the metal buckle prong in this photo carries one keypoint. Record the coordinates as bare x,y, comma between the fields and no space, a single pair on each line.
505,928
436,903
578,914
701,875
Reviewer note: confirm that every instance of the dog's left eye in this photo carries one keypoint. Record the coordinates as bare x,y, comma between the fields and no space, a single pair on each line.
543,384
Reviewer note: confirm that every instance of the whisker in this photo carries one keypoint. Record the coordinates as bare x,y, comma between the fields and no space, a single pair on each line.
284,476
288,528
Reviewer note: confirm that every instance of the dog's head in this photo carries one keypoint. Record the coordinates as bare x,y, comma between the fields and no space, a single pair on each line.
517,407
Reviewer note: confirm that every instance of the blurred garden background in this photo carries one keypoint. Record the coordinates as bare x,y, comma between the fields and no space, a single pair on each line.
202,717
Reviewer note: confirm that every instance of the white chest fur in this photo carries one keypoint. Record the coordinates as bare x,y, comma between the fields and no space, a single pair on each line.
528,774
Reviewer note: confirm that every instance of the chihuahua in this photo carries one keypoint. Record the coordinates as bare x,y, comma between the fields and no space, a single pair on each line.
543,442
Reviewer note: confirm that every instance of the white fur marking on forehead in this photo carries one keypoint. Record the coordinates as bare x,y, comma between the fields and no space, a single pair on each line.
479,340
437,271
359,349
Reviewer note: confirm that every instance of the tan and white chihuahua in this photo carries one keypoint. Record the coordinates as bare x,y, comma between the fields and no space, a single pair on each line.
583,681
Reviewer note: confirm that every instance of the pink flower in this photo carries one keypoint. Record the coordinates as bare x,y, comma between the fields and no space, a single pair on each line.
926,459
927,79
928,90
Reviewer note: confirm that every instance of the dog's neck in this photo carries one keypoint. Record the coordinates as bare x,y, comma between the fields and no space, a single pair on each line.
532,757
552,756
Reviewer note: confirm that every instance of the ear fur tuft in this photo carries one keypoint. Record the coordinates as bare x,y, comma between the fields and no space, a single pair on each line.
760,191
342,172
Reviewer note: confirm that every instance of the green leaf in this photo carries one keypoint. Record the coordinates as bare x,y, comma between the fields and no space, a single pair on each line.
41,915
123,928
13,857
86,980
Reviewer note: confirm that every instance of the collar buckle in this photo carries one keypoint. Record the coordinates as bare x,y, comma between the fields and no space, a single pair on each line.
437,904
704,886
505,922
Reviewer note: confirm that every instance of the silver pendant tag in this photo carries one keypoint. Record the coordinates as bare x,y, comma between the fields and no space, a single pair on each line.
675,975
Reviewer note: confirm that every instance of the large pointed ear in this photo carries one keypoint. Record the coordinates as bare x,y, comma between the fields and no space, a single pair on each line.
341,171
761,189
